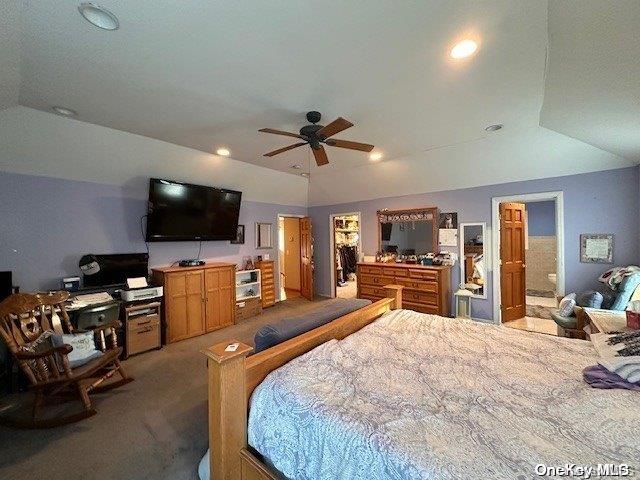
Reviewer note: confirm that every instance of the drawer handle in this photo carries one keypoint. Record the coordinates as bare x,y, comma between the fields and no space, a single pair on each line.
146,330
144,323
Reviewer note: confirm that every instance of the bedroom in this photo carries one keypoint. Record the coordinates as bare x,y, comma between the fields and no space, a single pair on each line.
544,102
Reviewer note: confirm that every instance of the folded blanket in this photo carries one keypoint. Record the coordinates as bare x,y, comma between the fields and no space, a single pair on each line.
612,358
599,377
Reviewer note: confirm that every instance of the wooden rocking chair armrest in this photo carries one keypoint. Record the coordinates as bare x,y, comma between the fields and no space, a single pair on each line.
62,349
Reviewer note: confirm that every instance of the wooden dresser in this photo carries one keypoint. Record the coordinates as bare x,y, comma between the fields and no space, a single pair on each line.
268,279
197,300
427,289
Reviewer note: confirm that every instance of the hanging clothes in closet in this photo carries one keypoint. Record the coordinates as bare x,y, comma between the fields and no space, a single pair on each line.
347,256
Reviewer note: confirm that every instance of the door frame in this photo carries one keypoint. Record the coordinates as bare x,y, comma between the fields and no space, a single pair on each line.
332,246
278,255
558,198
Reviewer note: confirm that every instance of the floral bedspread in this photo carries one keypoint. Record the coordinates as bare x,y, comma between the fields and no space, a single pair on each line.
416,396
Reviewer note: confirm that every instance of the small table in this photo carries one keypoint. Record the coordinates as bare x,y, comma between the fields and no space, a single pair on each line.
607,321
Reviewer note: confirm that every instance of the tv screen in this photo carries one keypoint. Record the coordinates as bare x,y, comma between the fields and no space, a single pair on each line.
181,211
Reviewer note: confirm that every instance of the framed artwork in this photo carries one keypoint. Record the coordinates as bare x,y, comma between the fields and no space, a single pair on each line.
448,220
239,240
596,248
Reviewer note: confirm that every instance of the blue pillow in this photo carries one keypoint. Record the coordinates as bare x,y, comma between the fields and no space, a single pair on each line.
287,328
625,291
590,299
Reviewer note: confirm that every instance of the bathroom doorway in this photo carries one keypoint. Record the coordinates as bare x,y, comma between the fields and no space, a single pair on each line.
530,260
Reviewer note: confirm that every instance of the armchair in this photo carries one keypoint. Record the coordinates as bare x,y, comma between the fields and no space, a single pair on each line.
33,327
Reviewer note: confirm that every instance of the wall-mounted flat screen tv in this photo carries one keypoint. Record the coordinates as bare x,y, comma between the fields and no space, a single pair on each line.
182,211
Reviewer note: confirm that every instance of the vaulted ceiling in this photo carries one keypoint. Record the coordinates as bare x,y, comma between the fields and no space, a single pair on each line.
205,74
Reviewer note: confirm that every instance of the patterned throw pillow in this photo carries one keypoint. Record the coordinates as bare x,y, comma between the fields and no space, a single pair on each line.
566,305
84,347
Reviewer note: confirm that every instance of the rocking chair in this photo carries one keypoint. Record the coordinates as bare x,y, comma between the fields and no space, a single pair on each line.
29,325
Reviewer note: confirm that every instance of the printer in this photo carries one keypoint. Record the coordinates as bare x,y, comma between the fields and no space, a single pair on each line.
141,293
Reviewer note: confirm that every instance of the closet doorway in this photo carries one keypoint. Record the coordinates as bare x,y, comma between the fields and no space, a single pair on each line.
346,248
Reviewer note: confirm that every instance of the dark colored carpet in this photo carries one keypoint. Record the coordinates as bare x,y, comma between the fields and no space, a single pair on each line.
152,428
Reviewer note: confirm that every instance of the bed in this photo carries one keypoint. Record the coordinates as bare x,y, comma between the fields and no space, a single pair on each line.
415,396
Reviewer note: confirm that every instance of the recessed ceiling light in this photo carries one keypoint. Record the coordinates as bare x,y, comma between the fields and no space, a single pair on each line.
304,174
494,128
223,152
375,156
464,49
65,112
296,166
99,16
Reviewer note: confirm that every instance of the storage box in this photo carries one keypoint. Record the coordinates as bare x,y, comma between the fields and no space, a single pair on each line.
633,320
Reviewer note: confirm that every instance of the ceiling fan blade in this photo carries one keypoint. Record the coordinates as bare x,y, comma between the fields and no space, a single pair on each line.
321,156
280,132
338,125
284,149
363,147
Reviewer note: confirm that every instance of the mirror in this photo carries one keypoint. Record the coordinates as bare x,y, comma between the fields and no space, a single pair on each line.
473,258
263,235
408,232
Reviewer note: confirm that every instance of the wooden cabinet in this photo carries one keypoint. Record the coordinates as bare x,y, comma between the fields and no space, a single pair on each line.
268,285
142,327
426,289
196,299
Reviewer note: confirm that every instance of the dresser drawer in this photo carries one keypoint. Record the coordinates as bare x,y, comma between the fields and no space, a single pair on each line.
143,320
397,272
423,274
371,270
376,280
143,338
419,307
426,298
370,291
423,285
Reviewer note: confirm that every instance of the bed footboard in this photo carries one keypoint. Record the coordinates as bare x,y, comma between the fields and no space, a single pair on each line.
233,377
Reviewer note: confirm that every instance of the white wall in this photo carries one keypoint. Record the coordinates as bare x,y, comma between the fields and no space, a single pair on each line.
40,143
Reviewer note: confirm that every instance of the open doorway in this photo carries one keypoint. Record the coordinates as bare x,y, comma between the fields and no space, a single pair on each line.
529,246
295,257
346,248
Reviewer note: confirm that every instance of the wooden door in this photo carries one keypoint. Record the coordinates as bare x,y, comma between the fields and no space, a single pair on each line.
512,261
185,298
195,302
306,257
219,298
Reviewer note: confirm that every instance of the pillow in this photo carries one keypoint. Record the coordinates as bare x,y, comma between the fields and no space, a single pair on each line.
589,299
84,347
608,298
565,308
625,290
287,328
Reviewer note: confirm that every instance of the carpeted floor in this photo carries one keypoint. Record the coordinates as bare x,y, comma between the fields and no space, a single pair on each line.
152,428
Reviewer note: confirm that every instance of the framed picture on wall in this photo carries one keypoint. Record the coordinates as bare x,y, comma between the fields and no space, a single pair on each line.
239,240
596,248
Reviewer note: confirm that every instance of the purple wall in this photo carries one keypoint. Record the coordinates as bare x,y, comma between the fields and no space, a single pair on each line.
541,218
600,202
48,224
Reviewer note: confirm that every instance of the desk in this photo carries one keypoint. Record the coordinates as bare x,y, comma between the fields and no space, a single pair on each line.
607,321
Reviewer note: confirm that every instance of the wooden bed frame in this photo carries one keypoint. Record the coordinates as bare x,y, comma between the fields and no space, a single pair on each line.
233,376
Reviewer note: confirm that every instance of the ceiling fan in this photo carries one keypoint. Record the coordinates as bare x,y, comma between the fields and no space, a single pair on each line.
315,135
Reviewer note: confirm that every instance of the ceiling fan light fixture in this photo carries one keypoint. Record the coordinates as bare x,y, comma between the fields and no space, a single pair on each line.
223,152
64,111
98,16
375,156
494,128
463,49
296,167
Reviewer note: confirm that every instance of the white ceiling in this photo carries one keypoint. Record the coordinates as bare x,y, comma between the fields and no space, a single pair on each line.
213,73
592,89
203,74
9,53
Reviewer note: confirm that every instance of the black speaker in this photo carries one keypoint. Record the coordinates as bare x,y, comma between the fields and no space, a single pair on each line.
6,285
